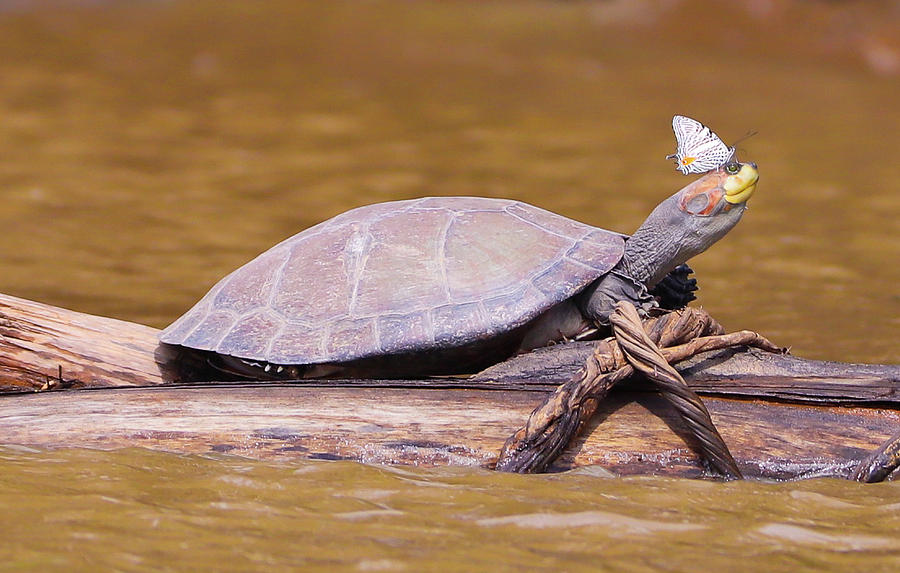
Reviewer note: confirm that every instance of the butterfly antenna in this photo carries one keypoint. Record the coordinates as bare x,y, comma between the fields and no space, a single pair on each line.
734,147
746,136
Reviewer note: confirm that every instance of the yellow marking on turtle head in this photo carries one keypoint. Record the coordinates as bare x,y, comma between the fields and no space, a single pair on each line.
740,186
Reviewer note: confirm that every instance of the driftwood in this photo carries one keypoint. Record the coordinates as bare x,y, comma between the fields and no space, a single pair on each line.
438,421
426,427
37,340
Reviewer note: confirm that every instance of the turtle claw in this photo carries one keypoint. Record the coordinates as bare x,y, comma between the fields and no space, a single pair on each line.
676,289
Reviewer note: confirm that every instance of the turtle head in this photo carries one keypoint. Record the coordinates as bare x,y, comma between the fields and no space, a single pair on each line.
682,226
689,221
729,185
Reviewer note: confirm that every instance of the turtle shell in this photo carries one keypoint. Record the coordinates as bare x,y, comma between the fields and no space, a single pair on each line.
398,278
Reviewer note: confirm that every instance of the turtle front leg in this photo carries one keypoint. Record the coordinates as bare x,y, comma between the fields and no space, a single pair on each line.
599,300
673,292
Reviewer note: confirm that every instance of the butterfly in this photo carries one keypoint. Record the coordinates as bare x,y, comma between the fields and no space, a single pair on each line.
698,149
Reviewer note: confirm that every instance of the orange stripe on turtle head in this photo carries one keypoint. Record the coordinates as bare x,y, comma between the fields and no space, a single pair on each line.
702,196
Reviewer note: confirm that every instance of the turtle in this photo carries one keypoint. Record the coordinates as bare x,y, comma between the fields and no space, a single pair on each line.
446,285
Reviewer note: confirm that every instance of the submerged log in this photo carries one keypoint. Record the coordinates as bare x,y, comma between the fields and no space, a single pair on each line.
425,422
630,434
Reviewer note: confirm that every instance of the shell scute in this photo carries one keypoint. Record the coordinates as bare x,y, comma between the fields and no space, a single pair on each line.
251,289
296,344
505,311
457,324
490,252
599,250
251,335
564,276
548,221
396,331
213,328
461,204
315,282
400,269
340,344
179,330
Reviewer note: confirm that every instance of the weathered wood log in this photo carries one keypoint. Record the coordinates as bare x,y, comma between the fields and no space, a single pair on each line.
736,372
37,340
438,427
440,421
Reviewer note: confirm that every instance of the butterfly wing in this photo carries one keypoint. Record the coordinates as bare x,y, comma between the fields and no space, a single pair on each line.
689,134
698,149
709,156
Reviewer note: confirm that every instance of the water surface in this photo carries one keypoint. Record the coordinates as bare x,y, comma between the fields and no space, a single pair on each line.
139,510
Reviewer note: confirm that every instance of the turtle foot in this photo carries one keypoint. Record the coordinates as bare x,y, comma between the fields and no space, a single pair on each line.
677,289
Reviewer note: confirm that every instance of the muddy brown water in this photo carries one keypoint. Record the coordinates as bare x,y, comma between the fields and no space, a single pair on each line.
147,148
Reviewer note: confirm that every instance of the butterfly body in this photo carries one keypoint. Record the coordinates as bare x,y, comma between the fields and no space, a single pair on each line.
698,149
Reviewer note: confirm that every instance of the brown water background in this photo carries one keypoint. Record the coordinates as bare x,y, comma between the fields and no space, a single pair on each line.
147,148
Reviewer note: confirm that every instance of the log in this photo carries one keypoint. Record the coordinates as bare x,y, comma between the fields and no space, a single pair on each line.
129,396
734,372
631,434
37,340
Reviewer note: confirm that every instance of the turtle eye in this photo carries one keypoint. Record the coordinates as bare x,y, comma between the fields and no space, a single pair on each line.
732,168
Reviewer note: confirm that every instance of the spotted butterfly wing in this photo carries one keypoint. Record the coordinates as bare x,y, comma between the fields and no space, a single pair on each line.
698,149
